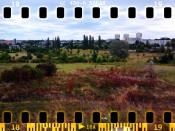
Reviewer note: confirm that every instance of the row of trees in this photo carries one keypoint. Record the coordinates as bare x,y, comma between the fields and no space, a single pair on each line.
88,43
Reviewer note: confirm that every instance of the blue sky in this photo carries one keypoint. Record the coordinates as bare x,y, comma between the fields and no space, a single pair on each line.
71,28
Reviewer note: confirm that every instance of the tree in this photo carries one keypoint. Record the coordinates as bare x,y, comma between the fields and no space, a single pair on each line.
94,56
173,43
99,42
58,43
119,49
71,45
48,43
85,42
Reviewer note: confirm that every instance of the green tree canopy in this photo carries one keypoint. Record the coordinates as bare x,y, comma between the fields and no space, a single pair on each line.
119,49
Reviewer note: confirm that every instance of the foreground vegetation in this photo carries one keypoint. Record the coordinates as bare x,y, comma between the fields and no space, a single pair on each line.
121,86
88,79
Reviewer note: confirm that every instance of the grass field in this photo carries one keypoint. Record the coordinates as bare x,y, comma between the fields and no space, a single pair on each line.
166,72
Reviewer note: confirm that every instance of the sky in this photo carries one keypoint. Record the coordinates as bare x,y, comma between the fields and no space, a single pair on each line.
71,28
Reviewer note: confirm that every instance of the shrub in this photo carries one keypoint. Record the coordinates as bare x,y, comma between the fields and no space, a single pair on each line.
23,59
99,59
39,61
29,55
21,74
39,55
166,58
119,49
48,68
76,59
5,57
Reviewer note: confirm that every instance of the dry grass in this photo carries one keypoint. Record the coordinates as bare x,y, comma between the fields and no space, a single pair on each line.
79,91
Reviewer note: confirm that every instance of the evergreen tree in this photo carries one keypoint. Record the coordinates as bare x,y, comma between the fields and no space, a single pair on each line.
99,42
48,43
85,42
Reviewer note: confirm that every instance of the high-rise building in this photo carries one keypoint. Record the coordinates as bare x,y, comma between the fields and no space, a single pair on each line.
126,37
139,36
14,42
117,36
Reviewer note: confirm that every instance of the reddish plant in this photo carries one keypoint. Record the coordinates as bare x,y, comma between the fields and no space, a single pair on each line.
70,84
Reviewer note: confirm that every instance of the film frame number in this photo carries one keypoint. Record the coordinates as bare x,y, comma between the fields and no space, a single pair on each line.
158,3
15,127
15,4
158,126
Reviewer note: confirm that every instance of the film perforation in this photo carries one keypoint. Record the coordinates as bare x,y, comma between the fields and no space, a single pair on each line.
96,118
149,12
167,116
131,12
167,12
25,117
43,117
7,117
78,117
149,117
132,117
60,117
78,12
60,12
7,12
114,12
114,117
96,12
25,12
43,12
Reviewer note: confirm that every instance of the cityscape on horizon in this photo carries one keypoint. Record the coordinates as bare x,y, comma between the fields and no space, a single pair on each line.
126,37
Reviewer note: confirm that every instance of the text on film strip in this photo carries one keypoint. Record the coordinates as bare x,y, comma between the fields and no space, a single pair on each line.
96,121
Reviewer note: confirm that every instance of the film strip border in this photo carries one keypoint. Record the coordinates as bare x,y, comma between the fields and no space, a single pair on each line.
114,117
78,12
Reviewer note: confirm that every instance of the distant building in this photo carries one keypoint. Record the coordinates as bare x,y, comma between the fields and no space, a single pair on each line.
139,36
14,47
132,40
126,37
117,36
14,42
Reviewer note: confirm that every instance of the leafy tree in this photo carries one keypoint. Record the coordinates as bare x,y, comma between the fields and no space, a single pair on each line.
94,56
29,55
119,49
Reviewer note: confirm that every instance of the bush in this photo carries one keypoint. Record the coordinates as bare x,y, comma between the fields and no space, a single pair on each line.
99,59
5,57
29,55
119,49
38,60
39,55
166,58
21,74
49,69
23,59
